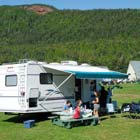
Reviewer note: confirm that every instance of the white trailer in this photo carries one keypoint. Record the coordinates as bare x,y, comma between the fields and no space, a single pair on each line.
31,86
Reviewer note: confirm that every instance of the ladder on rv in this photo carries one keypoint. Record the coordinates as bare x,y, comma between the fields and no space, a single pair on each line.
21,91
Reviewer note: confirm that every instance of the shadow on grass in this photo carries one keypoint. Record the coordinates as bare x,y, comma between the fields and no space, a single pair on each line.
103,118
39,117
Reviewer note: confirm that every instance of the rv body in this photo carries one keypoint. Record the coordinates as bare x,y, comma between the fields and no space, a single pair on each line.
30,87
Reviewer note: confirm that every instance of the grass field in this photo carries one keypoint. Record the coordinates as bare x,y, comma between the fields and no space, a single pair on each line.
128,93
117,128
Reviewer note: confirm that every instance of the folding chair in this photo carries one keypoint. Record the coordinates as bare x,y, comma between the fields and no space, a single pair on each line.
125,107
134,111
110,109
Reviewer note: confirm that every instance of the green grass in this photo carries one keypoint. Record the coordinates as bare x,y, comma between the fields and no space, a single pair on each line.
128,93
118,128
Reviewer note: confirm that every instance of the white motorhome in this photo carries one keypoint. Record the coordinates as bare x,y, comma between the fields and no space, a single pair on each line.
31,86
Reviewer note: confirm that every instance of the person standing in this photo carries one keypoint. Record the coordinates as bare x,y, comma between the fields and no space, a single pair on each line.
109,95
96,104
103,97
92,96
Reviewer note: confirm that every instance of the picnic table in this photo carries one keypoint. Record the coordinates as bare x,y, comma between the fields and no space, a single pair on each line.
65,119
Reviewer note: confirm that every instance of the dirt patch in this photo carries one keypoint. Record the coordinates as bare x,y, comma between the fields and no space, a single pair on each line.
39,9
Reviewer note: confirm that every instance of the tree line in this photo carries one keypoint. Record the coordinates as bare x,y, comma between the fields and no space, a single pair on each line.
99,37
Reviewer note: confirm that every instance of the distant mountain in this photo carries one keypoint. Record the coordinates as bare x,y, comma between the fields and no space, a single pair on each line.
98,37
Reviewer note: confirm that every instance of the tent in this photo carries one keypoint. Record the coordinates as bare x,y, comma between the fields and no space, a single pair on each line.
134,70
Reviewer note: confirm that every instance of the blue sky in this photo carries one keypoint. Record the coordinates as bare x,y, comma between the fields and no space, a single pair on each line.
79,4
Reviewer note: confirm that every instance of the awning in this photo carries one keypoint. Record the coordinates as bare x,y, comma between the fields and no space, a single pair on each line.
91,75
88,72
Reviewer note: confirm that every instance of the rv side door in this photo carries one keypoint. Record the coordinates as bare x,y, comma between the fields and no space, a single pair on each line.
33,97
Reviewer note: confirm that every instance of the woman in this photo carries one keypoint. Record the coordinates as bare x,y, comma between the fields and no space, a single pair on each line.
96,104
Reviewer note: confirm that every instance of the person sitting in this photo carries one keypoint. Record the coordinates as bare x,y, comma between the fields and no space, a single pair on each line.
77,111
67,105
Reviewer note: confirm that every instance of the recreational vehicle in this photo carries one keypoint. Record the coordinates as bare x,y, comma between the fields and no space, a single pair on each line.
31,87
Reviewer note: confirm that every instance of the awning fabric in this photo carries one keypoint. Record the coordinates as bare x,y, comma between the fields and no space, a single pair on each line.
91,75
88,72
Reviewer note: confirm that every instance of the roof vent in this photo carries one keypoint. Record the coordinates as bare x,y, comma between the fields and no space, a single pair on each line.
85,65
24,60
74,63
54,63
42,63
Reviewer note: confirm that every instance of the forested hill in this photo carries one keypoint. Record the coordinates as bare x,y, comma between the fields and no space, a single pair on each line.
98,37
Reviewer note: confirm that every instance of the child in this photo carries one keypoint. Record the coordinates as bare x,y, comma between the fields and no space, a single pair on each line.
67,106
77,111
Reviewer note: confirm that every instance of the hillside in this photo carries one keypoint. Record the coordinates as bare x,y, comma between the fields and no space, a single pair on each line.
39,9
99,37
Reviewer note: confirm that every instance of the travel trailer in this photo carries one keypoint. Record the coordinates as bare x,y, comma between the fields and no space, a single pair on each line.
31,87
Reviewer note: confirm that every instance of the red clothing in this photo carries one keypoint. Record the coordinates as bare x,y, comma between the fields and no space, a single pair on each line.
77,114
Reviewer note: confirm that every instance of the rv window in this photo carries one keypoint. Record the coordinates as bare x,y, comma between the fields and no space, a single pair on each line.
11,80
46,78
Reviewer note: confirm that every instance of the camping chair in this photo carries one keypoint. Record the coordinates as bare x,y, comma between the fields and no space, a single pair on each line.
134,110
110,109
125,107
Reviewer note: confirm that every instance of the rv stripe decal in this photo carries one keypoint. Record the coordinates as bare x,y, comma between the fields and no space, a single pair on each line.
58,98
